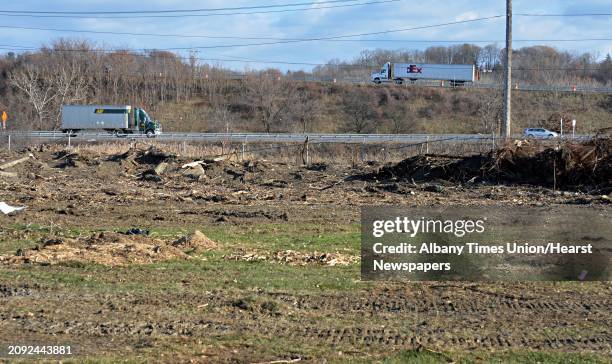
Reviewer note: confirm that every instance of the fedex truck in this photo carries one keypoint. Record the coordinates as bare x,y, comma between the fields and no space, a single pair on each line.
455,74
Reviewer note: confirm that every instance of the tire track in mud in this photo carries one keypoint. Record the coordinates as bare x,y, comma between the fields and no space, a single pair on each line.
441,319
360,336
449,305
346,336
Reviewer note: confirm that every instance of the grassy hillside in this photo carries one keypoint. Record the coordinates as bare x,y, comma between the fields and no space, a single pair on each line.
379,109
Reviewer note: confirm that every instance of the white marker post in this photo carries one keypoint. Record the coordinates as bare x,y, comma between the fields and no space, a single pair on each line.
573,128
561,128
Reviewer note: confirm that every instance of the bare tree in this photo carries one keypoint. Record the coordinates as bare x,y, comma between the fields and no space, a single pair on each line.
304,108
402,120
490,110
270,95
359,111
30,81
70,85
223,117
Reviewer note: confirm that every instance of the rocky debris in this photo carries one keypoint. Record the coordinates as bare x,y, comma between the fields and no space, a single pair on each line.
195,172
292,257
319,167
148,175
434,188
193,164
195,242
69,158
161,168
137,231
137,155
153,155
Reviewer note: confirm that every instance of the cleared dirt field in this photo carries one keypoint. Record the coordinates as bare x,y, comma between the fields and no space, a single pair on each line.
275,274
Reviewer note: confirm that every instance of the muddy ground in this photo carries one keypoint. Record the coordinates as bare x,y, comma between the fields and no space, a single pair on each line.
221,305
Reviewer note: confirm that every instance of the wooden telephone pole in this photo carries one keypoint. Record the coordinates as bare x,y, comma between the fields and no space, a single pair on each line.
507,127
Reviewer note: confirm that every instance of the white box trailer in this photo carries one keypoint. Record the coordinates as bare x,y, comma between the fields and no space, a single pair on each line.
455,74
120,119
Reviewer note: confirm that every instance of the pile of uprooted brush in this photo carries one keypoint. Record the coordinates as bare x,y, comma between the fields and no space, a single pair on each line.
585,166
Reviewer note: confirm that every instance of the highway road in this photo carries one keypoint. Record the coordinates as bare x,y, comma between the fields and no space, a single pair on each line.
445,84
258,137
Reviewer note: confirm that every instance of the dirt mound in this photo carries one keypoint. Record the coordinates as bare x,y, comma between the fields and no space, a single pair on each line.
292,257
580,166
195,242
106,248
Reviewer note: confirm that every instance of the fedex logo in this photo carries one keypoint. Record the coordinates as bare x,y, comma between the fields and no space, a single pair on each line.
414,69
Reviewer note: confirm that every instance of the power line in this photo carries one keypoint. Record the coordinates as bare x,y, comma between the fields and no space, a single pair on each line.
200,15
179,10
275,42
458,41
563,15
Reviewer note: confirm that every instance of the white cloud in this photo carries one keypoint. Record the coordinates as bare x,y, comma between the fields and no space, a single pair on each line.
468,15
314,23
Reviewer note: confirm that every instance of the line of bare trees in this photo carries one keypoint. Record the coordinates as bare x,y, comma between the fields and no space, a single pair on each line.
190,96
539,65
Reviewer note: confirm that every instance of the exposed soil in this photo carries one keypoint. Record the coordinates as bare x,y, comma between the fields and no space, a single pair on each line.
437,316
110,249
101,190
149,188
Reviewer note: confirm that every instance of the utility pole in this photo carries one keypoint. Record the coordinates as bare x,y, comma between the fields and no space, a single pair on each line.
507,127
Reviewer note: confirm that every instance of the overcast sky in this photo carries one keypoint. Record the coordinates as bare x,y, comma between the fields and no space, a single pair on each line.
313,23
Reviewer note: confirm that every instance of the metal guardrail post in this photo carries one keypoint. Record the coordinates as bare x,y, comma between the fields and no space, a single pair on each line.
307,152
244,146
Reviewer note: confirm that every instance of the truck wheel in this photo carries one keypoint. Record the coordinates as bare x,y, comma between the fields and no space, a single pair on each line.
377,81
150,134
398,82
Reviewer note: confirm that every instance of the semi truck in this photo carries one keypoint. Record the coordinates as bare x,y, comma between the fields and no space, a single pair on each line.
455,74
117,119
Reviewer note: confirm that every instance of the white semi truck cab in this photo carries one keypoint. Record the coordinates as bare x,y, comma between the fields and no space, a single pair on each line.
384,75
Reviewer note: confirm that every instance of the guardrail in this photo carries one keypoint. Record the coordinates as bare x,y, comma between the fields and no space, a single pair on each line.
267,137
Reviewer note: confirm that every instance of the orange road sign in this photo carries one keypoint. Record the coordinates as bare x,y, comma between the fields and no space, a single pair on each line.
4,116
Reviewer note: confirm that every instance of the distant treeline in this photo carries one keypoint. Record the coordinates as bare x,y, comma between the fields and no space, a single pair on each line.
196,96
539,65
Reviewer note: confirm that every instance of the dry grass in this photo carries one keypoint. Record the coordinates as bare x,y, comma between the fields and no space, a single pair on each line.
111,249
